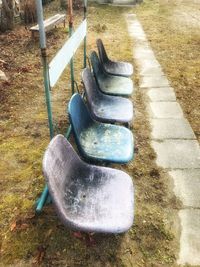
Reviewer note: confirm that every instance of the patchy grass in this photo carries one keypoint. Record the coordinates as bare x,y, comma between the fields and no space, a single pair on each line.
28,239
172,27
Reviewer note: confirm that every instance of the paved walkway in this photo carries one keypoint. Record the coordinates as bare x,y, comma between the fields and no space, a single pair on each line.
173,140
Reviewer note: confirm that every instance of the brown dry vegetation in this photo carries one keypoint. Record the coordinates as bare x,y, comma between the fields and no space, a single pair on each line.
28,239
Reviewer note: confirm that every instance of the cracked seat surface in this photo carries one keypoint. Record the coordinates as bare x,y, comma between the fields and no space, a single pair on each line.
87,197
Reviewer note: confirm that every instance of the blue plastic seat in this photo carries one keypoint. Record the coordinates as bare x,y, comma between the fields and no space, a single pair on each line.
110,84
123,69
96,140
103,107
87,198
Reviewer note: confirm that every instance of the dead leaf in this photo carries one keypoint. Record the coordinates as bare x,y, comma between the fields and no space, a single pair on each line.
13,226
24,226
48,233
40,254
90,241
78,235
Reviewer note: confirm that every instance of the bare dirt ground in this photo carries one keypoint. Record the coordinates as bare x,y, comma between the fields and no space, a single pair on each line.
28,239
173,29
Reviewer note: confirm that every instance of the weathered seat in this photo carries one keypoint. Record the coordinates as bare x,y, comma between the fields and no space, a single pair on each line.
114,68
99,141
50,23
110,84
87,198
103,107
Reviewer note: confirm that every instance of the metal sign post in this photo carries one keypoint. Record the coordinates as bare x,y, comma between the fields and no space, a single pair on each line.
45,193
70,13
45,65
85,39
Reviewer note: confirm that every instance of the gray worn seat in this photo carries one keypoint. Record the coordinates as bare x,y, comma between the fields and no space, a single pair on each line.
118,68
110,84
86,197
103,107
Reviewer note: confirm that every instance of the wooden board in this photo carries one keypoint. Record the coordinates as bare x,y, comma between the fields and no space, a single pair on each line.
50,22
64,55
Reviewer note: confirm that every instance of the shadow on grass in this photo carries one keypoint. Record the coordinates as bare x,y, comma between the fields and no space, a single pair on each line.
41,239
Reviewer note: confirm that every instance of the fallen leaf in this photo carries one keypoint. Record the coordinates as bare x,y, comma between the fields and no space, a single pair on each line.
90,240
24,226
13,226
48,233
78,235
40,254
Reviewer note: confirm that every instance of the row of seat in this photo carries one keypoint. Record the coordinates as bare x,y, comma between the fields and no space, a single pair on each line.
88,197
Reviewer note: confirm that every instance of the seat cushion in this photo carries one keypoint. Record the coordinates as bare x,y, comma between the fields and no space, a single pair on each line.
106,142
115,85
111,109
99,200
87,197
124,69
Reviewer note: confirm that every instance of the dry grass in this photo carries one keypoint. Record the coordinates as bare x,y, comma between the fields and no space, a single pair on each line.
28,239
172,28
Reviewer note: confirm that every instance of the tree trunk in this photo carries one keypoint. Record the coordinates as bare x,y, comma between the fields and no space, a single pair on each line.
28,11
77,4
7,15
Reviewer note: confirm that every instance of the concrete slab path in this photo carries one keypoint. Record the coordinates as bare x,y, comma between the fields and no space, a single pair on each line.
173,140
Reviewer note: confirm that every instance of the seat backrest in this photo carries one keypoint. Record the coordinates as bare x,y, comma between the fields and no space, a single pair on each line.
96,64
58,162
79,115
91,88
102,52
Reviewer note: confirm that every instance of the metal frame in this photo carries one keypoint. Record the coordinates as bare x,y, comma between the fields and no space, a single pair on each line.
45,194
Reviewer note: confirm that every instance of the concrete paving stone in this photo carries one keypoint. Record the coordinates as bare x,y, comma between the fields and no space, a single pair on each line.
128,3
190,237
187,186
165,110
177,154
147,64
135,27
144,56
151,71
154,81
132,19
143,46
143,52
171,129
139,38
131,16
138,34
165,94
138,30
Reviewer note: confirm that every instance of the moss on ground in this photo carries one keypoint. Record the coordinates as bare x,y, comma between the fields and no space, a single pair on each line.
28,239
